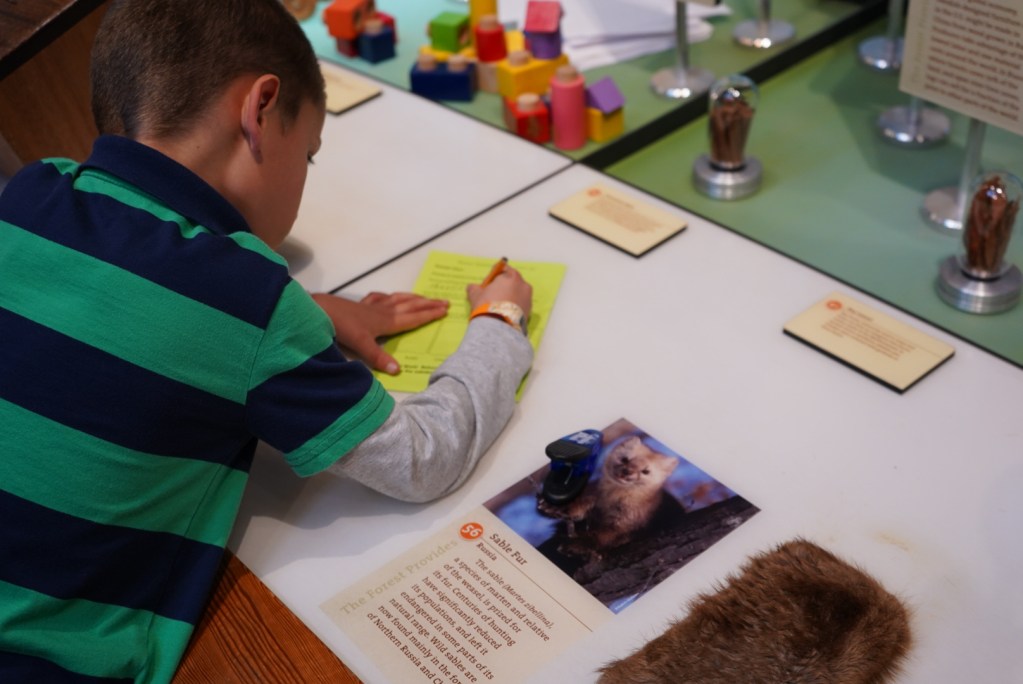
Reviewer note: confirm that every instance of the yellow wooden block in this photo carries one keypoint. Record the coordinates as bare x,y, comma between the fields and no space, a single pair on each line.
444,55
602,127
532,77
477,9
514,40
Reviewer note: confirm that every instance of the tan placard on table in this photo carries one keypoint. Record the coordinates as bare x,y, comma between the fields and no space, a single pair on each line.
473,603
967,55
866,339
345,90
618,219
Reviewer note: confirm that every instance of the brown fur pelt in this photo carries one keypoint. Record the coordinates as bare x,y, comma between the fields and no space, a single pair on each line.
795,615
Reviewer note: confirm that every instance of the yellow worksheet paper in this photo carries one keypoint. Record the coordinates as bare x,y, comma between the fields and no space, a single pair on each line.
444,276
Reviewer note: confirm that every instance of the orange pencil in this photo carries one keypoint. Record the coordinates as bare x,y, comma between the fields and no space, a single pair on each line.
495,271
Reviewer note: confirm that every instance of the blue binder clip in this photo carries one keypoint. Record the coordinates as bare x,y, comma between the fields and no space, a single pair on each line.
573,459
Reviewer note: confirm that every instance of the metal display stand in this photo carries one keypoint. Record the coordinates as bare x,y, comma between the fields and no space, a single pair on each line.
945,208
980,280
958,288
683,80
914,125
884,53
764,32
728,173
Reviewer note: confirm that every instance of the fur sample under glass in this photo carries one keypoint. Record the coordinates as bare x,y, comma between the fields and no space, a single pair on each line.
794,615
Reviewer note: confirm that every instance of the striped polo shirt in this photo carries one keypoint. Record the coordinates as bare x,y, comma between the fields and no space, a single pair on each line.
147,340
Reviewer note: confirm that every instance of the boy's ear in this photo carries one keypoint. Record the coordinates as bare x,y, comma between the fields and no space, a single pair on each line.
260,101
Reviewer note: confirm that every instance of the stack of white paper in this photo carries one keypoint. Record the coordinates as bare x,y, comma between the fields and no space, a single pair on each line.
600,32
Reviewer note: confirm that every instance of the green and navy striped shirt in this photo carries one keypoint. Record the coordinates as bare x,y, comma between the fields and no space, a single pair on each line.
147,340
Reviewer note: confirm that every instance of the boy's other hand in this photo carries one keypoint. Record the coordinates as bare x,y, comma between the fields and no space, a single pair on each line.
358,325
508,286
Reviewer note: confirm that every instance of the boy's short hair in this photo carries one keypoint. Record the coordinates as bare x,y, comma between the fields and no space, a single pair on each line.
157,65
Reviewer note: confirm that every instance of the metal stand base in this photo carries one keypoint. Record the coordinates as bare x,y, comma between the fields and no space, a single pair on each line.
881,53
941,210
727,185
897,126
681,84
973,295
760,34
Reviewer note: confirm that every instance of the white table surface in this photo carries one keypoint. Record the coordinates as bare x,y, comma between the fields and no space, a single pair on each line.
922,490
394,172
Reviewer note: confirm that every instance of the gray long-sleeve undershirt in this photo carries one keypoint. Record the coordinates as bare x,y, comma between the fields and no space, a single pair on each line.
432,441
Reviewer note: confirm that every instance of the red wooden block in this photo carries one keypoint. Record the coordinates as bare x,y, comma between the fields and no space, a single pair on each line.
528,117
344,18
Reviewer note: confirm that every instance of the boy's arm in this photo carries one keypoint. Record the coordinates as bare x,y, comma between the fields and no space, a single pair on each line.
432,441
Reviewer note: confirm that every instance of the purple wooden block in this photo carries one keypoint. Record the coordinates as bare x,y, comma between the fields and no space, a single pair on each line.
605,96
544,45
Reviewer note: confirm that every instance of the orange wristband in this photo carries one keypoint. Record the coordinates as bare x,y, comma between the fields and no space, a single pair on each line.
509,312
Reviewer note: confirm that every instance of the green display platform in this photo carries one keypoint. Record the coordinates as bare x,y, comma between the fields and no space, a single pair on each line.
647,116
836,197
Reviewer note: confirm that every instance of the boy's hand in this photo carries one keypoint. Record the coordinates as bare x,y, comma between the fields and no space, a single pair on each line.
508,286
357,325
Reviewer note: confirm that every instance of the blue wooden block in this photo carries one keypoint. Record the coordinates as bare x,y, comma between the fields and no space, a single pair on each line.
377,47
441,84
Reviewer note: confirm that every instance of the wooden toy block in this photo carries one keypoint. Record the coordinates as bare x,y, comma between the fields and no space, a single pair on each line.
490,41
605,110
543,16
486,76
543,28
388,22
479,9
544,46
345,18
601,127
444,56
376,43
520,73
568,108
449,31
451,80
348,47
605,96
527,117
514,40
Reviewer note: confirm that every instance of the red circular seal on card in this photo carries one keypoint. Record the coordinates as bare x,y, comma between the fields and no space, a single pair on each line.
471,531
834,305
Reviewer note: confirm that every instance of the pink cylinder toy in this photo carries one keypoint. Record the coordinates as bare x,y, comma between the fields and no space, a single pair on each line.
568,108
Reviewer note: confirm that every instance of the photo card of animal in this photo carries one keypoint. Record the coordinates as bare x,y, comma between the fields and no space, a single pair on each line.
645,512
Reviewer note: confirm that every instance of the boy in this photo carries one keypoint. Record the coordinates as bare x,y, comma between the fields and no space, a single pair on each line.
149,336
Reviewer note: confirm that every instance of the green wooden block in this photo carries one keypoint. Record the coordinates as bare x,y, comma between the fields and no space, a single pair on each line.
449,31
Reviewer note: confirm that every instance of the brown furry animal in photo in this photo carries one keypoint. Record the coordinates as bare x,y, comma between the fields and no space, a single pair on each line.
628,499
795,615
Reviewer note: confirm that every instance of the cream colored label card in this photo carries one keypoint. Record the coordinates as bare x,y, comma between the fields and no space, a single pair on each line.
967,55
880,346
474,603
618,219
345,90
